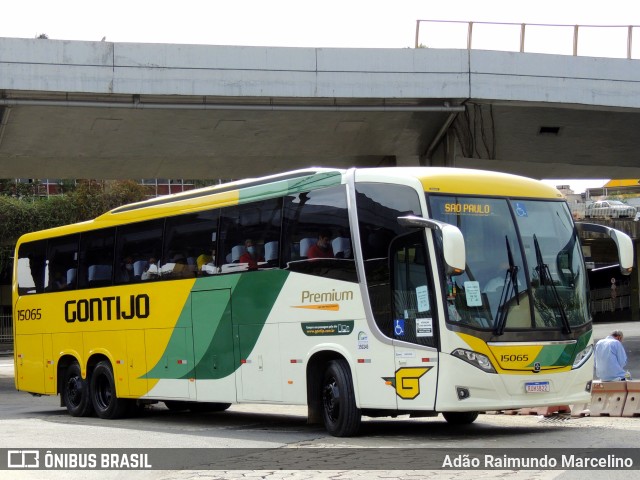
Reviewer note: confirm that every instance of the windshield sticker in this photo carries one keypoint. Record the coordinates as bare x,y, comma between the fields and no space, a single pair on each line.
424,327
521,210
422,296
467,209
472,291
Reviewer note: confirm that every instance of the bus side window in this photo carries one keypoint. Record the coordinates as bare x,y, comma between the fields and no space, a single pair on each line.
135,242
62,263
316,234
31,267
255,225
96,258
189,246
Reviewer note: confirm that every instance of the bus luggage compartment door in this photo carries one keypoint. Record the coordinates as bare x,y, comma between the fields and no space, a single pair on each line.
213,345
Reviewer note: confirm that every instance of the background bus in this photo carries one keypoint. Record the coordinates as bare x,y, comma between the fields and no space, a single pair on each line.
159,300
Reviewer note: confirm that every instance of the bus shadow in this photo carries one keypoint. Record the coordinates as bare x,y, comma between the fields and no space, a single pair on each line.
292,428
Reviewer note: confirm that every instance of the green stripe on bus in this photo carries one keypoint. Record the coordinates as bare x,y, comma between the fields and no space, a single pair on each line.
286,187
561,355
211,318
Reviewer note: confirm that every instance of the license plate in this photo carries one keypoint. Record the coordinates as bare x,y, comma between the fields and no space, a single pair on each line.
537,387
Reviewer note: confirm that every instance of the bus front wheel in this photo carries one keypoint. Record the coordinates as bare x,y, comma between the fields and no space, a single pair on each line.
460,418
339,412
103,393
75,392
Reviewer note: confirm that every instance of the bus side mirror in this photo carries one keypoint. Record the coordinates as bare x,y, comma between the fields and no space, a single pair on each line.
452,241
622,240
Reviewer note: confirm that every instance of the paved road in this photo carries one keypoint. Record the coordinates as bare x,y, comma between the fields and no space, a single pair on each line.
39,422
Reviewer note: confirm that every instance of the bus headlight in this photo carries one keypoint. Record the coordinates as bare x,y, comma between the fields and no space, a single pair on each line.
474,358
582,356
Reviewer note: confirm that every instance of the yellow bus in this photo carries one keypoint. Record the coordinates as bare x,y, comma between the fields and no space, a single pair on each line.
360,292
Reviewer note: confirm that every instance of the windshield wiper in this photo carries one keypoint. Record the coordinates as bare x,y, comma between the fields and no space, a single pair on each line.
544,275
509,288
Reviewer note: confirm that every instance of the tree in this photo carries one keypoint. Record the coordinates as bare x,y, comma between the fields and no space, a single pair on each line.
23,211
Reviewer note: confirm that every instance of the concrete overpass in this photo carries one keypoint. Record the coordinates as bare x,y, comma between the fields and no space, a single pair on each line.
73,109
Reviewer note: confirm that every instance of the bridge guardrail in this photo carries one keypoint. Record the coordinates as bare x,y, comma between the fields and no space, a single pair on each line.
614,41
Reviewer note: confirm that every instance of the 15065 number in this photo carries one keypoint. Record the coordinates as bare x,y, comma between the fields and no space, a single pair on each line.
30,314
514,358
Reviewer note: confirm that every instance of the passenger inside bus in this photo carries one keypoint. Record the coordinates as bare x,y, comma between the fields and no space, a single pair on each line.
205,259
59,282
151,271
206,263
250,256
181,268
125,273
322,248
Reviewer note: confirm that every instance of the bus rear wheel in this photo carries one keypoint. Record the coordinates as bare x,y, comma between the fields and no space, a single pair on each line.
103,393
460,418
75,392
341,416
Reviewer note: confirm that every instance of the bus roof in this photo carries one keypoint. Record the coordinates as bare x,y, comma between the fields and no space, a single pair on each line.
226,194
466,181
433,179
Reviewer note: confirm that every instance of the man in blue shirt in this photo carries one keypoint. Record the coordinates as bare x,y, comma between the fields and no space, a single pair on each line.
611,358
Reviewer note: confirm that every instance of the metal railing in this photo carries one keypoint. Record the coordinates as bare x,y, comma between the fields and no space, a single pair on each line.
6,329
524,28
602,301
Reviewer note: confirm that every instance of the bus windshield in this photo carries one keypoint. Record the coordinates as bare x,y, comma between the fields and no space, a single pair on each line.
524,264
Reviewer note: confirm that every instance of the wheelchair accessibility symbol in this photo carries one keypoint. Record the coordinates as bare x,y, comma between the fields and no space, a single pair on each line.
521,210
398,327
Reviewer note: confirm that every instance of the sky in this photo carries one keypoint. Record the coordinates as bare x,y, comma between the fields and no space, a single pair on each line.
329,23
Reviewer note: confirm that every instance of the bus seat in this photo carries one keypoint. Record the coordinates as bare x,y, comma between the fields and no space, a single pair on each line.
341,247
305,244
139,267
271,252
236,253
99,273
71,276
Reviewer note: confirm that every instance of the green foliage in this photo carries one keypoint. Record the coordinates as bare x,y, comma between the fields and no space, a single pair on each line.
21,211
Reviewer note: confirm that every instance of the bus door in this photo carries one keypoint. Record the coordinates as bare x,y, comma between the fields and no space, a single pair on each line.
414,323
213,345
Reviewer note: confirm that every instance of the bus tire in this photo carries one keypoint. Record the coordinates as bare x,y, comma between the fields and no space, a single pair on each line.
460,418
103,393
339,412
75,392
